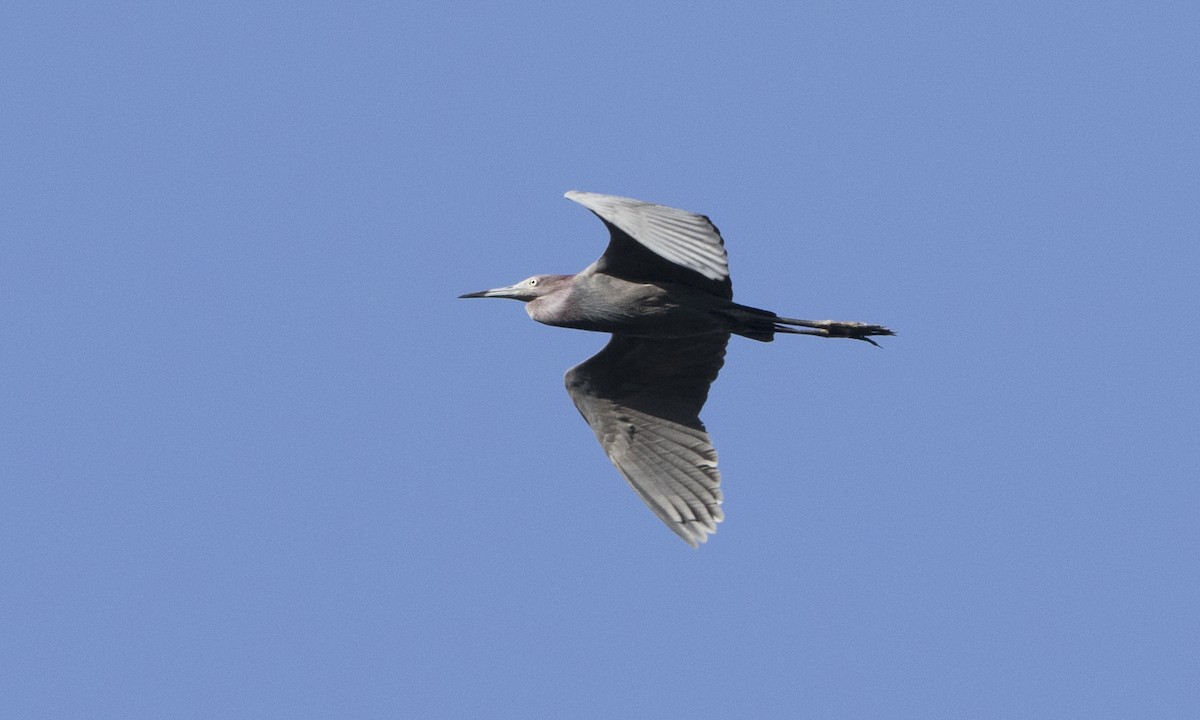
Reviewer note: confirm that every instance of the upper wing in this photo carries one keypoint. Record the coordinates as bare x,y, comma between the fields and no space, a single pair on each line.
656,242
642,398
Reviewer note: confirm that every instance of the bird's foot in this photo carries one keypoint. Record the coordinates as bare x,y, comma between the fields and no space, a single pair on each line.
852,330
832,329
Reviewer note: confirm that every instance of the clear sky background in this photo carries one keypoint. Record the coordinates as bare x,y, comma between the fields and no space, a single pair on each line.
257,460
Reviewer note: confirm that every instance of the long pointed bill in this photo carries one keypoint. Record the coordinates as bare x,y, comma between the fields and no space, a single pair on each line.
503,292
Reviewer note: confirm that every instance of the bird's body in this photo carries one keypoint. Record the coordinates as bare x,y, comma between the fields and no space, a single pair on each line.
662,289
603,303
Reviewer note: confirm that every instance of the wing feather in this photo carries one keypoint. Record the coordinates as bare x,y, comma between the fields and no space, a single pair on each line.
642,398
656,242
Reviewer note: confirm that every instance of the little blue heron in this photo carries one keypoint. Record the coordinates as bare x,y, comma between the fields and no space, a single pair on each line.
662,289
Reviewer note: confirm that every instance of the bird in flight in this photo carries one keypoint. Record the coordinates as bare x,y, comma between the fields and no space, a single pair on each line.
662,289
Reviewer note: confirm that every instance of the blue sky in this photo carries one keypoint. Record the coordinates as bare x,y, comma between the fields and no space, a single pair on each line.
259,462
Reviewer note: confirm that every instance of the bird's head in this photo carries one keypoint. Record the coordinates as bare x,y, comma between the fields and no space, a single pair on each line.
528,289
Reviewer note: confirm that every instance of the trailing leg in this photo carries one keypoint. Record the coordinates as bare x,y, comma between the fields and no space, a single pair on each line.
831,329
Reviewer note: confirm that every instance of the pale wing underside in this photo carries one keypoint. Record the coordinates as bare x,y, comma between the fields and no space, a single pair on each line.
682,238
642,398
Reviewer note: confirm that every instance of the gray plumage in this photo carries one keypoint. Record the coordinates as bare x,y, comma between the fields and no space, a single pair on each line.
662,289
